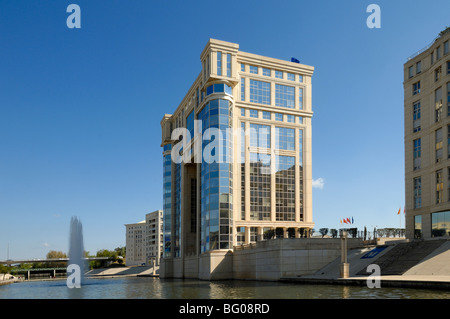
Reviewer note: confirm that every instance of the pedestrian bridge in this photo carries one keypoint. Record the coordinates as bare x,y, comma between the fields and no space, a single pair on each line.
45,260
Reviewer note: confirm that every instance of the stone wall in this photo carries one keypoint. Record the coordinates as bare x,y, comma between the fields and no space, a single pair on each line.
264,260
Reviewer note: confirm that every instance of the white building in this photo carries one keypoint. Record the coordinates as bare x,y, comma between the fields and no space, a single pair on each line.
144,240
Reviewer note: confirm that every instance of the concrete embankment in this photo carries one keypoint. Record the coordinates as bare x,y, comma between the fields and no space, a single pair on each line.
420,264
136,271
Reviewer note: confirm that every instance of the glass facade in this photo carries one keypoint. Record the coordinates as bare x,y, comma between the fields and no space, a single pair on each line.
417,192
440,224
216,182
259,135
219,63
260,92
167,200
176,231
285,188
218,88
242,171
284,138
260,186
284,96
418,226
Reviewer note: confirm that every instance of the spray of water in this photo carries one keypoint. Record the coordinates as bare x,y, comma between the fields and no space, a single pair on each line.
76,246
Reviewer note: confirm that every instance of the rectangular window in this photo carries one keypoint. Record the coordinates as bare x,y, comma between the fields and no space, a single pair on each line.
259,92
432,57
260,190
440,224
300,98
285,188
448,98
284,96
253,69
242,67
410,72
300,120
438,145
259,135
418,67
278,117
266,115
448,143
439,186
266,72
416,117
437,74
290,118
417,192
418,226
242,89
291,76
448,67
446,47
438,53
229,64
417,153
242,112
438,104
254,113
284,138
279,74
416,88
219,63
300,78
243,171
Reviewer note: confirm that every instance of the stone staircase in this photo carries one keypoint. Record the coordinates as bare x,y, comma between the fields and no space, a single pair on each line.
404,256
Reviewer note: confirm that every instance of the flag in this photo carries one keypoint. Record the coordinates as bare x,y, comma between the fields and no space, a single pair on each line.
399,211
348,220
352,220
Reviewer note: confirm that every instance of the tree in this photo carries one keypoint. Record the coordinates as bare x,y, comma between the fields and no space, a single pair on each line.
53,254
323,231
333,232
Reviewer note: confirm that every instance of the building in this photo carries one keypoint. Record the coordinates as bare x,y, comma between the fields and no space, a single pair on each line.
240,170
144,240
427,155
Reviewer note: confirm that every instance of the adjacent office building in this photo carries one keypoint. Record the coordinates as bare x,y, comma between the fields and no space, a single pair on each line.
144,240
250,178
427,153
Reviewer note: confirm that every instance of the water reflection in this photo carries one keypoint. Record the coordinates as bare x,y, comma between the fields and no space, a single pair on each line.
154,288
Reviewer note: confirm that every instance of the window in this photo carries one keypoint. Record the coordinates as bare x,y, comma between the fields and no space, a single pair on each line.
242,112
417,192
284,96
438,104
416,117
438,145
448,98
253,69
219,63
438,53
437,73
418,67
291,77
440,224
300,98
448,67
259,135
416,88
418,226
218,88
290,118
243,171
285,188
242,89
266,115
284,138
260,192
417,153
229,64
446,47
254,113
278,74
448,143
266,72
439,186
278,117
300,120
259,92
300,78
432,57
242,67
410,72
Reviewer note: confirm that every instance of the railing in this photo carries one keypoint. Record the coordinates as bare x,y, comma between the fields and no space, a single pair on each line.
429,45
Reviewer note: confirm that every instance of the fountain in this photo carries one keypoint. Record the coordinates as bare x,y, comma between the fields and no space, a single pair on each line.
76,254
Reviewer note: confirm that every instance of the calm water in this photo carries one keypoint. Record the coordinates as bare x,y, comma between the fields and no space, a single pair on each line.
155,288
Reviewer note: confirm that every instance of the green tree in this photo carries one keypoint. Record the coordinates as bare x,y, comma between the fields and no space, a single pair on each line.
53,254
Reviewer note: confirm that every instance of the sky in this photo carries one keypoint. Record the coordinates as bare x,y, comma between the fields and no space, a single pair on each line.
80,108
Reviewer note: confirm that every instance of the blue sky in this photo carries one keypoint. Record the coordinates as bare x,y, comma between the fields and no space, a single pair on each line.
80,109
